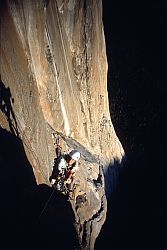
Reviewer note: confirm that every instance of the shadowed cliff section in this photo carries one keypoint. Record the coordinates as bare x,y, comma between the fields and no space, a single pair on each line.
27,221
16,176
6,101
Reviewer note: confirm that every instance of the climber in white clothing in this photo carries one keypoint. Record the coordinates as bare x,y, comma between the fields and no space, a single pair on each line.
64,168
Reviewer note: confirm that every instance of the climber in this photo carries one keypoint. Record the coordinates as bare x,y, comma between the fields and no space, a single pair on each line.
64,170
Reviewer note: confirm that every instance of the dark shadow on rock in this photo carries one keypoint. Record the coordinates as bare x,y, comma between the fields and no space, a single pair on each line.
136,216
50,225
6,101
111,177
15,178
24,222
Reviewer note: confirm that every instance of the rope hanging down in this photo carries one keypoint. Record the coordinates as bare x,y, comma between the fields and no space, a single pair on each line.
47,202
58,153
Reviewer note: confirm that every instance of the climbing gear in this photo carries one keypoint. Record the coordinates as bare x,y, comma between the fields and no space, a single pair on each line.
58,147
52,182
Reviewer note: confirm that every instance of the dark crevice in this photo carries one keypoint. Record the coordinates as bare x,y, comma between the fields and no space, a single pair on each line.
84,236
6,101
100,212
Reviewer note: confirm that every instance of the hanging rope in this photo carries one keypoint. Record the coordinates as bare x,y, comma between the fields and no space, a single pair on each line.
58,153
26,140
46,204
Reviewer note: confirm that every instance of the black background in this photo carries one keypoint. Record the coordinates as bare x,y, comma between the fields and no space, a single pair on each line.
136,44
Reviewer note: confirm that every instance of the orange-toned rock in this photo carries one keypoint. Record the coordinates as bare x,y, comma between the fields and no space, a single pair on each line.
53,59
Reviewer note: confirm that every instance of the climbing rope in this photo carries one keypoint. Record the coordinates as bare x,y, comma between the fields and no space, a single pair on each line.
46,204
28,145
58,153
20,129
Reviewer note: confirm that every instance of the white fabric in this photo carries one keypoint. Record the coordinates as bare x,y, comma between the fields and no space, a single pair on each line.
75,155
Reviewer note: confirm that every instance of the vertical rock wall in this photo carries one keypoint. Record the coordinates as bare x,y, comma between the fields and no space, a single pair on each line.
53,62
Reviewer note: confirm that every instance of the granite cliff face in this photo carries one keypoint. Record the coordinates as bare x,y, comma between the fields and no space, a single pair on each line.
54,90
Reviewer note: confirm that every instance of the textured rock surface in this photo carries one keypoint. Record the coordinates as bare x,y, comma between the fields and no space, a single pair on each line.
53,62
